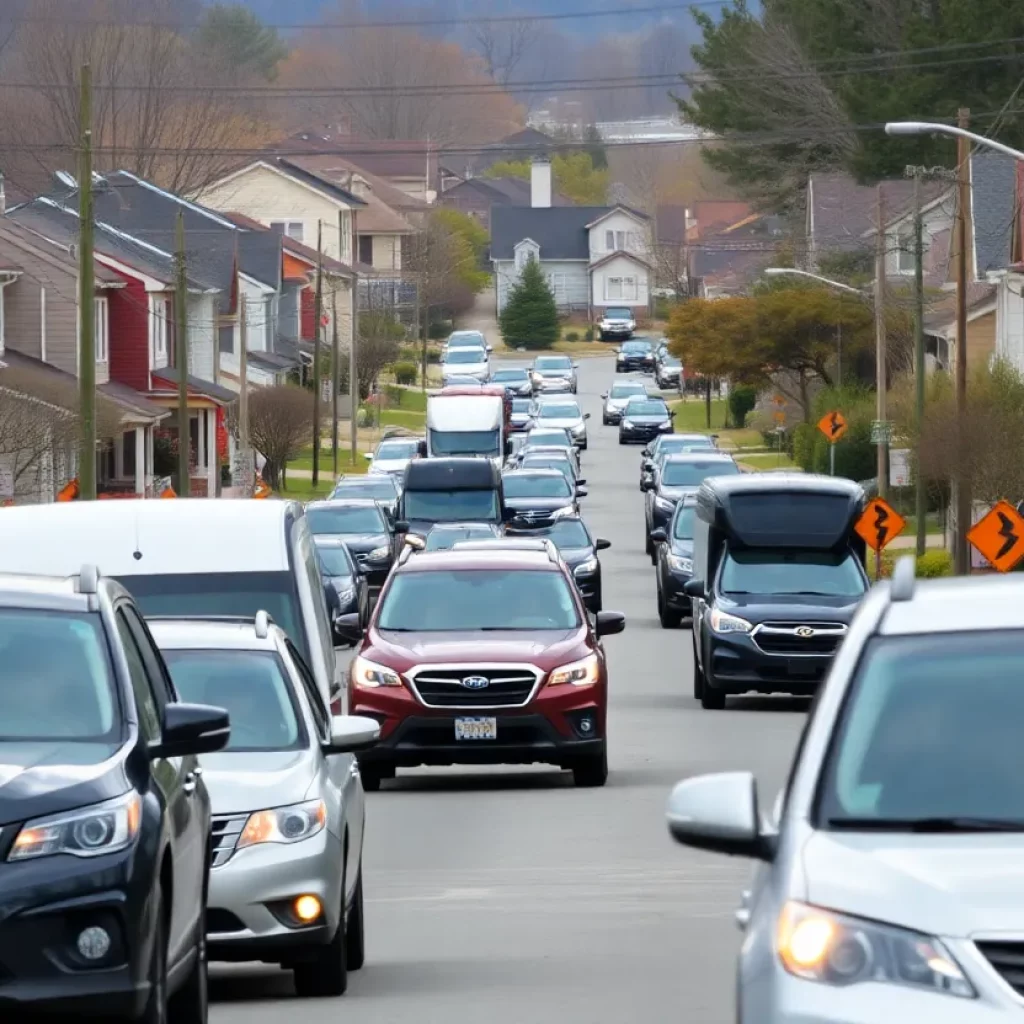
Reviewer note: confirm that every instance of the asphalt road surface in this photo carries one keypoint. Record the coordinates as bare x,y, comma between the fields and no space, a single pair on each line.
508,896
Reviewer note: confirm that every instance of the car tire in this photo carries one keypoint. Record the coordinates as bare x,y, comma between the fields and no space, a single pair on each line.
649,546
621,440
326,973
711,699
605,421
698,675
156,1011
668,618
372,778
355,933
191,1003
591,771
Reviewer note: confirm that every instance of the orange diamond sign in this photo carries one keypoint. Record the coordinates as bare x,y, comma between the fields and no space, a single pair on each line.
833,425
879,524
999,536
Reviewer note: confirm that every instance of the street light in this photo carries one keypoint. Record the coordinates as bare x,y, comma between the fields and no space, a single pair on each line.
930,128
781,271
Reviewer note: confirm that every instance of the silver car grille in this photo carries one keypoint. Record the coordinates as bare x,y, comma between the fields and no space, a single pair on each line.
799,639
442,686
224,832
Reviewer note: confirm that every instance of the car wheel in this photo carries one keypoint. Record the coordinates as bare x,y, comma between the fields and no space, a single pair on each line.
711,699
355,934
621,441
326,974
698,675
591,771
605,421
191,1003
668,618
156,1005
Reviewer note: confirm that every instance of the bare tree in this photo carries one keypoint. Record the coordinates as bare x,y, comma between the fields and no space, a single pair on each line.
504,45
280,423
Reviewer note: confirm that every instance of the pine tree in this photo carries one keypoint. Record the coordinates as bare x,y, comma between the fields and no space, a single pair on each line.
530,317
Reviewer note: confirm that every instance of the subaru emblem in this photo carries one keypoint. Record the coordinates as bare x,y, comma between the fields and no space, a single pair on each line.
804,631
476,682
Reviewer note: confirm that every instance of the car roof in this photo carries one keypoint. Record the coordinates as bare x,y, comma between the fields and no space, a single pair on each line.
783,483
542,431
183,634
688,458
494,559
957,604
47,593
444,527
542,473
542,451
510,369
439,474
343,503
361,478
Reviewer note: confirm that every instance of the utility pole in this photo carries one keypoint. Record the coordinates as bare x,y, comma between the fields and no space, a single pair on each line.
920,511
335,383
353,375
181,360
243,394
962,480
881,383
86,300
319,312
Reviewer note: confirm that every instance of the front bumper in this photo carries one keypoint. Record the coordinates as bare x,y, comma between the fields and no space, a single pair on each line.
638,434
546,731
738,665
552,384
616,330
44,905
247,907
631,365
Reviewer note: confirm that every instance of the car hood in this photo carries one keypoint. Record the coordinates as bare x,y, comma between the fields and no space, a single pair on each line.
803,607
543,648
675,493
618,403
553,373
645,419
40,778
389,465
255,781
361,543
565,424
517,503
945,885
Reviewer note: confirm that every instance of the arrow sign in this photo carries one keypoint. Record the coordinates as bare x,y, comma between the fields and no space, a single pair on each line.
880,524
833,425
999,536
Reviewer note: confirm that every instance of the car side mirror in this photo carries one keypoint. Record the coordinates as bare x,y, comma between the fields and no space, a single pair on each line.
581,492
580,482
351,733
646,484
414,541
586,415
348,629
605,395
601,544
694,588
575,366
719,813
192,729
645,452
671,414
490,349
609,623
421,449
401,526
368,456
659,536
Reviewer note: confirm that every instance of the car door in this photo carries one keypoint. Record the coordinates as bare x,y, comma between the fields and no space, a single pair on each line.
176,779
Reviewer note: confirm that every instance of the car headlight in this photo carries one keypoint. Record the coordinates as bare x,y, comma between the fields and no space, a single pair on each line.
567,510
586,568
284,824
667,425
584,672
628,424
723,622
833,949
664,504
369,675
379,554
680,564
87,832
579,429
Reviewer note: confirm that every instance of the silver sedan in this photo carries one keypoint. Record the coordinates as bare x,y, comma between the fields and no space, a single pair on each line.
286,879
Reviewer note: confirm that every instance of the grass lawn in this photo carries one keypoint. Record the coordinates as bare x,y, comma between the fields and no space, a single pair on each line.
302,490
305,462
691,418
767,460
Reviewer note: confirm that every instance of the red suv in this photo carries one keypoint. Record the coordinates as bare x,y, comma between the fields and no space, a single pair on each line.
484,654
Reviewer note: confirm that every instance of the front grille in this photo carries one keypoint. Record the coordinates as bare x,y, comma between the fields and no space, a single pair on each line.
507,686
1008,959
783,638
534,515
224,832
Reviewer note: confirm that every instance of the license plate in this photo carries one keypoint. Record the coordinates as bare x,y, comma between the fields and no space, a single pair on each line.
476,728
803,667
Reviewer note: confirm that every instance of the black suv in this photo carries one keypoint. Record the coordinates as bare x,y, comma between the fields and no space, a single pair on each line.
104,819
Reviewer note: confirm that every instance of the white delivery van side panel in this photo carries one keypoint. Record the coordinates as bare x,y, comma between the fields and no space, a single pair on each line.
464,412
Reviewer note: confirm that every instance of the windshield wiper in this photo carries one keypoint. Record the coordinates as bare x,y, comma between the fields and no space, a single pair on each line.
936,824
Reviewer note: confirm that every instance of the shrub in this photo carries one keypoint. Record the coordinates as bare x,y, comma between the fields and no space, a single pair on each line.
393,396
931,565
572,335
406,372
440,329
588,334
742,400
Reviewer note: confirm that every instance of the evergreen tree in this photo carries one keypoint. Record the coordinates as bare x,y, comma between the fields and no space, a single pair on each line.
530,317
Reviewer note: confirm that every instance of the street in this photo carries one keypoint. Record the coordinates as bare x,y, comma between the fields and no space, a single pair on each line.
511,896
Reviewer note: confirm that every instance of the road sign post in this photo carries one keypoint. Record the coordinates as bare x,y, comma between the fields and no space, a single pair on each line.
999,536
879,525
833,425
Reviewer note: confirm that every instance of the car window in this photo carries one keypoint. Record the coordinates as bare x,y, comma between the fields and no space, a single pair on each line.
475,599
777,572
560,411
641,408
521,405
336,561
251,686
692,474
618,313
930,729
328,519
379,488
558,438
145,700
510,375
471,355
553,363
627,390
320,716
396,450
163,688
521,484
682,528
455,506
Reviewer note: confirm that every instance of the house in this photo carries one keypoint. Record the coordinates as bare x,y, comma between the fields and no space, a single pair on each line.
1008,280
526,144
476,196
727,259
593,256
39,345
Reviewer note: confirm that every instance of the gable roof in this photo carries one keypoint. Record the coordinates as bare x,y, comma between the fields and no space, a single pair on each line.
19,237
504,190
560,231
619,254
339,170
617,208
841,211
519,145
389,158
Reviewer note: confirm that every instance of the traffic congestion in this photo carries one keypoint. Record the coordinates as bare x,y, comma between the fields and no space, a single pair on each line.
347,748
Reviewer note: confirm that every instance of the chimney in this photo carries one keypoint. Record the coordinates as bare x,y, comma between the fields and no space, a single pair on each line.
540,183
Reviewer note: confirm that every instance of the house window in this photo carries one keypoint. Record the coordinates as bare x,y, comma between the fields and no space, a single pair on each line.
620,289
609,241
523,256
157,331
906,254
557,283
102,340
366,249
291,228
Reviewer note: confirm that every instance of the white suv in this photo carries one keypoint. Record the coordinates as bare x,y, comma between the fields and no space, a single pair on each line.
617,322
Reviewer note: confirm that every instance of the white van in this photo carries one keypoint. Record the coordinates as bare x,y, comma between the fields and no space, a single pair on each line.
202,557
460,425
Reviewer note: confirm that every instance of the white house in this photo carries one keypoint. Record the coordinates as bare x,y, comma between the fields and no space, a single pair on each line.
592,256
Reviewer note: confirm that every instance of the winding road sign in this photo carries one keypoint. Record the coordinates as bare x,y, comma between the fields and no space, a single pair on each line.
999,536
879,524
833,425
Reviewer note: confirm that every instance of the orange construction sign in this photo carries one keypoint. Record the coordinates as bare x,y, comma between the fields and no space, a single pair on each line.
262,489
833,425
879,524
999,536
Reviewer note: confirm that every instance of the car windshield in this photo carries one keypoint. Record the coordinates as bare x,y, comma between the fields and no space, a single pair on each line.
250,685
636,346
475,599
682,527
463,338
930,730
452,506
560,411
396,450
521,484
693,474
346,519
618,313
465,442
553,363
667,360
522,405
778,572
502,375
641,408
557,438
466,355
681,443
445,539
627,390
336,560
566,533
56,683
564,466
218,594
380,488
